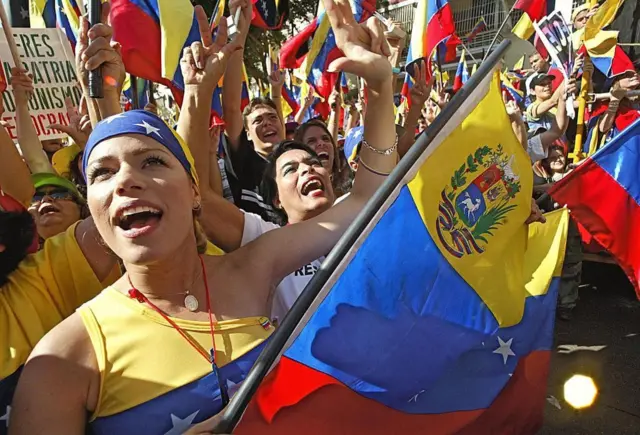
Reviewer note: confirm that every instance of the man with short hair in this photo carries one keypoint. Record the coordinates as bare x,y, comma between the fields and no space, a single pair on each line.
250,135
542,66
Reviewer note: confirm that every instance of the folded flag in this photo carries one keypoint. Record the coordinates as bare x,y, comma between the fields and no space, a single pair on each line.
603,194
512,92
270,14
440,317
462,74
433,26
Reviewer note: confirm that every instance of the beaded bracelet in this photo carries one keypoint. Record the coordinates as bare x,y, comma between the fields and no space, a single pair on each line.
386,152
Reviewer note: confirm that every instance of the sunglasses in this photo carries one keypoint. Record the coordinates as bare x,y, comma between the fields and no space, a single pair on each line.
55,195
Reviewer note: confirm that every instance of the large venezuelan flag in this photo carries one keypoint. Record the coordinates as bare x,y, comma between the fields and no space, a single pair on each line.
433,25
603,194
440,317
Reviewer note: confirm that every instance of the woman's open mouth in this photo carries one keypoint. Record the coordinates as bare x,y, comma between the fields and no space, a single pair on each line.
138,221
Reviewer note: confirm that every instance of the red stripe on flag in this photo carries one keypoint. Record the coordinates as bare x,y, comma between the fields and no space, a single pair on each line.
607,212
311,403
141,51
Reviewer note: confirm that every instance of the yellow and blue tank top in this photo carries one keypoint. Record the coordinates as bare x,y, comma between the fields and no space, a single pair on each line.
152,380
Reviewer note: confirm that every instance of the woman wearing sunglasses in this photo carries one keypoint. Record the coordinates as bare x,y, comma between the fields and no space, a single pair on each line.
56,204
166,345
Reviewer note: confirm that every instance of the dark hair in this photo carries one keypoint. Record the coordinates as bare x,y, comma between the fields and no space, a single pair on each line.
543,166
254,104
302,129
75,175
269,187
16,234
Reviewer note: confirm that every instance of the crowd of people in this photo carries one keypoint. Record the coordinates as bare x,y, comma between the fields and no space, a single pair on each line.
144,264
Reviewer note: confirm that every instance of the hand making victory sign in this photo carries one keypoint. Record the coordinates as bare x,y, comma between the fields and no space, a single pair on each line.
204,62
364,45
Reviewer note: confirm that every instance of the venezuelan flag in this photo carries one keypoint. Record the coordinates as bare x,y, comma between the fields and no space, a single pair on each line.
153,34
64,14
440,317
141,90
480,27
462,74
433,25
603,194
312,62
512,92
270,14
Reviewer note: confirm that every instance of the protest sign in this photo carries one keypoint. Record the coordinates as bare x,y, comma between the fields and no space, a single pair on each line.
556,37
554,33
47,55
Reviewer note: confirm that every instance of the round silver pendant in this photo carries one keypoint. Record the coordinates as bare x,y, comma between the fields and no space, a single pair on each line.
191,303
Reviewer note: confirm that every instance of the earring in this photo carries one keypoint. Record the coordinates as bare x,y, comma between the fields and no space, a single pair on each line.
197,207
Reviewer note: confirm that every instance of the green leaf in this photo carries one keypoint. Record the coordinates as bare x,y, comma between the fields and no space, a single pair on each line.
472,166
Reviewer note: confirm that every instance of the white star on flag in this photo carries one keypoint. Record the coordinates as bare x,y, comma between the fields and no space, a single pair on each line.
112,118
358,133
24,13
6,416
150,128
504,349
181,425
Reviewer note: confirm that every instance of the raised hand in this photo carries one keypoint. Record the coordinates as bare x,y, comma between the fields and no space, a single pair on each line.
276,82
22,83
335,99
204,62
443,96
245,16
364,45
421,88
79,127
95,48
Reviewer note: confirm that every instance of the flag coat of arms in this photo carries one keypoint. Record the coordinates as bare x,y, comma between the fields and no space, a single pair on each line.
439,318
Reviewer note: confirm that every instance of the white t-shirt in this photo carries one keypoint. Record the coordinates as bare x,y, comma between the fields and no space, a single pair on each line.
291,285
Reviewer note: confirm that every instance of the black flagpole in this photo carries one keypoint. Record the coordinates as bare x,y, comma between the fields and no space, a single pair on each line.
96,89
233,412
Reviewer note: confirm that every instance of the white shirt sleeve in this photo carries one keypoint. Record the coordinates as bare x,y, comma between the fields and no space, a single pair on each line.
254,227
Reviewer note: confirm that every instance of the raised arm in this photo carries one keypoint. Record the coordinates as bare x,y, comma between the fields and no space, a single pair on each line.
276,82
419,94
27,135
15,178
232,86
366,51
202,66
96,49
561,122
333,124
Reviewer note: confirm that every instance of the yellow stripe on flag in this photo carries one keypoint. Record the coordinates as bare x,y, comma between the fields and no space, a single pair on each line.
176,18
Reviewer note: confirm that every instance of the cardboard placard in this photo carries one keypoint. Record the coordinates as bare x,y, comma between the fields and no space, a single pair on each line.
47,55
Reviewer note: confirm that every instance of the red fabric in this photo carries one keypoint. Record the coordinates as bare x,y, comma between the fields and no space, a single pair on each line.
141,46
536,9
559,78
441,26
294,50
614,223
258,20
313,403
620,63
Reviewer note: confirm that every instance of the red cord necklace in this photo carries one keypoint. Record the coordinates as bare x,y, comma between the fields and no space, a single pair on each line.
136,294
